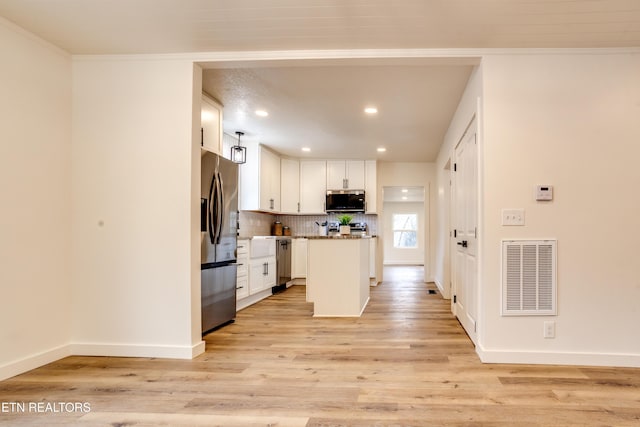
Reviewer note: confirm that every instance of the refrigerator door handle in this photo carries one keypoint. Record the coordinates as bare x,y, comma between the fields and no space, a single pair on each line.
210,213
220,218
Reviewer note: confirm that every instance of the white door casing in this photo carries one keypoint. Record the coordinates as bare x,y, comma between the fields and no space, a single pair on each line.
465,247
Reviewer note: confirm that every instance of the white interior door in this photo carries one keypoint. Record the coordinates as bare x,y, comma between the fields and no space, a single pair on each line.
465,266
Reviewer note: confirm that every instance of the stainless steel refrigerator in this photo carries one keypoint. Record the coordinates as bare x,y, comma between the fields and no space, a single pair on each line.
219,230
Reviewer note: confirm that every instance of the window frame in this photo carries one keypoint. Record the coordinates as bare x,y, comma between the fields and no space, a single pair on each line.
405,230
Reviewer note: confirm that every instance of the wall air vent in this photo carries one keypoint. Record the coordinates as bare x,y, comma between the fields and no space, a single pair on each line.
529,277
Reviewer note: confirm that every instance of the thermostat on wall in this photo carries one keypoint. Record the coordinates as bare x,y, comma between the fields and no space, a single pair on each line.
544,192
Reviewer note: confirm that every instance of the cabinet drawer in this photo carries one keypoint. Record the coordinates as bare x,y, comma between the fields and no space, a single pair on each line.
243,269
242,248
242,288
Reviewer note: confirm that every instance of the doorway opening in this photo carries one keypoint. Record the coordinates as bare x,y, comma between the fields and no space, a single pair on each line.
404,273
404,220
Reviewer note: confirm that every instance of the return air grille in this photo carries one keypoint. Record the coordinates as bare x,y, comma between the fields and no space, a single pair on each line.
528,277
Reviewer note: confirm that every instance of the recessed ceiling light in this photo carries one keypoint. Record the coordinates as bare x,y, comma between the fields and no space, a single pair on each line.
262,113
404,197
381,150
404,190
306,149
371,110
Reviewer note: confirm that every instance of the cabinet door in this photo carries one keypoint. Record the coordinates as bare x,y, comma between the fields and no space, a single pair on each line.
336,175
211,124
345,174
370,187
257,274
299,258
355,174
289,186
269,181
313,186
270,277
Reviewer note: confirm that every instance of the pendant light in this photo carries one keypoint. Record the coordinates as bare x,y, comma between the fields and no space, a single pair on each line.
238,152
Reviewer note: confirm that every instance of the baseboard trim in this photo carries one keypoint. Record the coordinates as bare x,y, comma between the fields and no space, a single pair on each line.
252,299
346,315
34,361
440,287
114,350
135,350
620,360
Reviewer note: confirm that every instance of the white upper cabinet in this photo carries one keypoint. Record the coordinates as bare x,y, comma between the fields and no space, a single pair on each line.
289,186
269,181
345,174
260,180
313,190
370,187
211,125
292,186
335,174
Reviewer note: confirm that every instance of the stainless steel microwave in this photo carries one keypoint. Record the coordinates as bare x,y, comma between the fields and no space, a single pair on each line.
345,201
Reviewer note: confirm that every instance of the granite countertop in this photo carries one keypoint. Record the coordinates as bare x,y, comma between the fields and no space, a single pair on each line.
340,237
313,236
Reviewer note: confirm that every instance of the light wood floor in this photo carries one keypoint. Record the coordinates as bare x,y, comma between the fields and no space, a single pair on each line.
405,362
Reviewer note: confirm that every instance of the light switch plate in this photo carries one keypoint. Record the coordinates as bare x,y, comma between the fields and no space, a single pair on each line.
513,217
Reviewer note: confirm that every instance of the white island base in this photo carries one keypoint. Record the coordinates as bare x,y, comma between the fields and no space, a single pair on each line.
338,276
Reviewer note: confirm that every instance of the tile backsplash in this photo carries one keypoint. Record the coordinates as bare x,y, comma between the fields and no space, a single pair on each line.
255,224
259,224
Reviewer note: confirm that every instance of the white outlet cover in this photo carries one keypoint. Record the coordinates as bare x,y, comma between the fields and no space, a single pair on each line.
544,192
549,330
512,217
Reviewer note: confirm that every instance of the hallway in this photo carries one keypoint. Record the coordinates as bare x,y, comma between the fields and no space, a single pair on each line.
406,273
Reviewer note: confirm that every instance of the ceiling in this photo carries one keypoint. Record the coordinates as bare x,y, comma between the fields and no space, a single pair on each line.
322,108
165,26
320,105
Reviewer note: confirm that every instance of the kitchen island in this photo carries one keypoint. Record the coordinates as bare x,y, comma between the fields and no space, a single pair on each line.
338,275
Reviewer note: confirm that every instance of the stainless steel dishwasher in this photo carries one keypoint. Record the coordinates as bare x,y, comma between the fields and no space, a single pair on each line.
283,263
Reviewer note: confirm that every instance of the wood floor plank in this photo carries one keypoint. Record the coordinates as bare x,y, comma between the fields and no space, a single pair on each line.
405,362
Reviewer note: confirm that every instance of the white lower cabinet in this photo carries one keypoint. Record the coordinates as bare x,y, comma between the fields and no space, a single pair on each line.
242,287
262,274
299,258
257,275
242,278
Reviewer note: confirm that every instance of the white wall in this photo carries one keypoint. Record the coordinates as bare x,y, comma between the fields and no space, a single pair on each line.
467,109
570,121
397,174
35,183
406,256
135,264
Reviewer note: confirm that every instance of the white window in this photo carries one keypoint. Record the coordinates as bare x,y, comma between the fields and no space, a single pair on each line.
405,230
